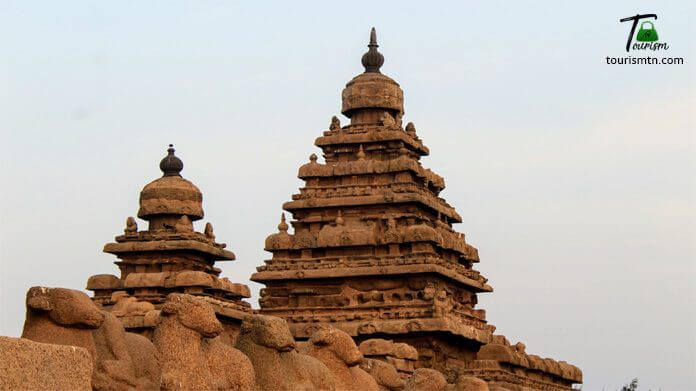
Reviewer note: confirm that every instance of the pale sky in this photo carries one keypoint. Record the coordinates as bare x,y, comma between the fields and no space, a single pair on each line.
574,178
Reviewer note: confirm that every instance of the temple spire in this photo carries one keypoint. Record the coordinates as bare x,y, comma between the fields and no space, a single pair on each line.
372,60
171,165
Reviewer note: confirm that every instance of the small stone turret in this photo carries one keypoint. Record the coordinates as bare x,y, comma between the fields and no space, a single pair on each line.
170,256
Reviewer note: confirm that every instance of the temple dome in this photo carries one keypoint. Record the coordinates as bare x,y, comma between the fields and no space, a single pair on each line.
171,194
372,89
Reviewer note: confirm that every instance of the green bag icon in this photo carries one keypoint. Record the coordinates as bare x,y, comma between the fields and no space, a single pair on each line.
646,35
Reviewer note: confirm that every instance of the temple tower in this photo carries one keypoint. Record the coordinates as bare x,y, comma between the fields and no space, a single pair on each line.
373,251
169,256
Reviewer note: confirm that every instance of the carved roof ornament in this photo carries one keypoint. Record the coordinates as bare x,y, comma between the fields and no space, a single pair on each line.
361,153
339,219
335,123
372,60
131,226
171,165
283,226
208,231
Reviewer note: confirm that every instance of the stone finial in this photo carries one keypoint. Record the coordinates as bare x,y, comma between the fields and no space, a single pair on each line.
372,60
411,129
171,165
313,158
339,219
335,123
361,153
283,226
208,231
131,226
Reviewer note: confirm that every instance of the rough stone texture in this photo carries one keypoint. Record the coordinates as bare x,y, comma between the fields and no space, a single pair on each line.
426,379
29,365
469,383
397,354
386,376
168,257
189,359
509,366
337,350
267,341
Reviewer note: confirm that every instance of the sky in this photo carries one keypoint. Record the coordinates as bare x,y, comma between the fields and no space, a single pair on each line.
574,178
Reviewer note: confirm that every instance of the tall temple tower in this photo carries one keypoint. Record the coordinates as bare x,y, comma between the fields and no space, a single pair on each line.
373,250
170,256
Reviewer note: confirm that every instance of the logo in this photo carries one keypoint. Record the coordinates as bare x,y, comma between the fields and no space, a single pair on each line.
647,37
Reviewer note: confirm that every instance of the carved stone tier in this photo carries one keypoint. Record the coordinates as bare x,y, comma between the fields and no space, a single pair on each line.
511,367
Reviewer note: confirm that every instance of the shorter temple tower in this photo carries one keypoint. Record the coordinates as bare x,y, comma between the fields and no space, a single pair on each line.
169,256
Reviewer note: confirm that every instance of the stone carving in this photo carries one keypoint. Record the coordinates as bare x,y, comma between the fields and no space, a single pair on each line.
337,350
68,317
386,376
192,358
425,379
267,341
130,306
208,231
469,383
131,226
387,120
335,123
411,129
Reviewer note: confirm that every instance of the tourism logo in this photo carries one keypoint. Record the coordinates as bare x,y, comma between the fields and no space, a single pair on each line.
643,36
647,38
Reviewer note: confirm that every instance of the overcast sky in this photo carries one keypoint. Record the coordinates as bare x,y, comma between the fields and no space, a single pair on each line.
574,178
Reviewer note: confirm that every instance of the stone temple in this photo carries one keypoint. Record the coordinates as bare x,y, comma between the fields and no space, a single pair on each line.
373,251
372,289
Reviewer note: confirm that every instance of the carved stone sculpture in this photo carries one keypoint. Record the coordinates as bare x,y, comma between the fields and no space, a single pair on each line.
269,345
191,358
68,317
337,350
